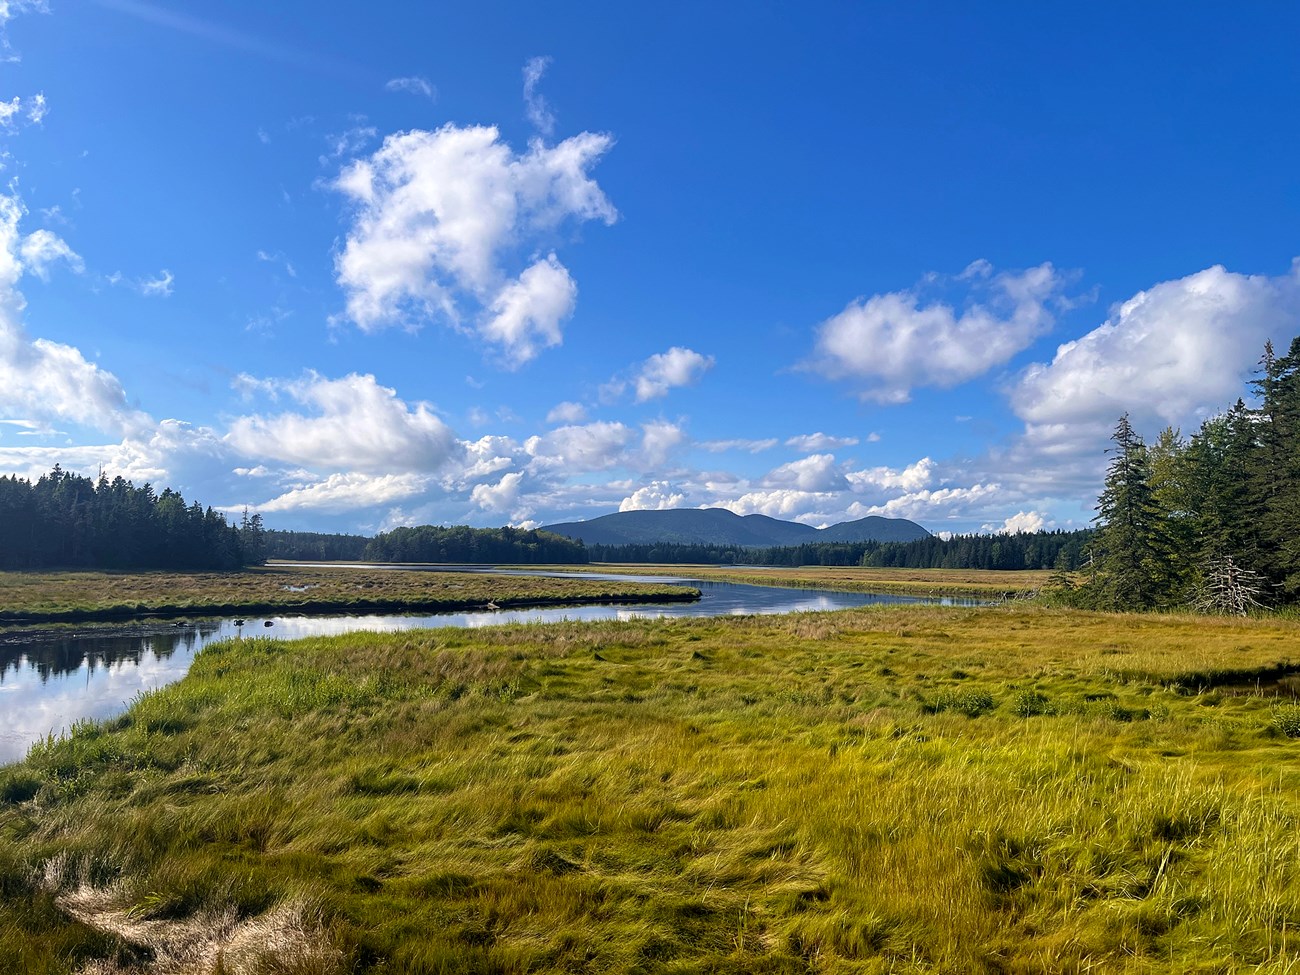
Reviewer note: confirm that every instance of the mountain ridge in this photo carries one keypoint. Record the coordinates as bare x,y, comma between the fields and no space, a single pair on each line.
719,526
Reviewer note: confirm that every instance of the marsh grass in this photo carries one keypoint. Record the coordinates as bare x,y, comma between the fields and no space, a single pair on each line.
902,789
53,596
987,583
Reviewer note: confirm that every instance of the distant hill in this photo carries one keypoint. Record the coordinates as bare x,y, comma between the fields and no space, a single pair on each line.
718,526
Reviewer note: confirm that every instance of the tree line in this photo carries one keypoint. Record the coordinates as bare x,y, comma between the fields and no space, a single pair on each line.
1210,521
1025,550
460,543
65,520
315,546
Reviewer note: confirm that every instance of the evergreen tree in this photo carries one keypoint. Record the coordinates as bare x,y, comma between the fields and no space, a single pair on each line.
1128,528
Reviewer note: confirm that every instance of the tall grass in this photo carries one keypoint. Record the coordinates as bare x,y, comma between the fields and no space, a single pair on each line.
910,790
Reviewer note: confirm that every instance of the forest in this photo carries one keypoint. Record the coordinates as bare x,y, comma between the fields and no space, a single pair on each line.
68,521
1027,550
459,543
1208,521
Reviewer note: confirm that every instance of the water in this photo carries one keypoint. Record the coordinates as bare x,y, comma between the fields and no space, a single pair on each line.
50,679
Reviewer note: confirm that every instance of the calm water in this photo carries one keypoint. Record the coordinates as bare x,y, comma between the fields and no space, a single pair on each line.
49,681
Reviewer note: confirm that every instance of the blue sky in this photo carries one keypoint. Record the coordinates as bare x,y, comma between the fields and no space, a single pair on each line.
358,266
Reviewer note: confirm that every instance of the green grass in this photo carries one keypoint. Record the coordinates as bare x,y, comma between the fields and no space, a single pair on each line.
55,596
898,789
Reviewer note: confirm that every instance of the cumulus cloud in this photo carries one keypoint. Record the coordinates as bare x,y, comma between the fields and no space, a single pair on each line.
1021,521
893,342
41,249
525,315
567,413
44,380
579,448
676,367
819,442
787,503
655,496
441,220
415,85
344,492
358,425
658,440
818,474
500,496
1171,355
910,478
535,106
924,504
1167,355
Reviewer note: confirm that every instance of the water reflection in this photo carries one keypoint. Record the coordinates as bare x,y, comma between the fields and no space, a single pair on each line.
50,679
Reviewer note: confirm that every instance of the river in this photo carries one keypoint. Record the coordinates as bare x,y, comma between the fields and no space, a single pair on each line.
53,677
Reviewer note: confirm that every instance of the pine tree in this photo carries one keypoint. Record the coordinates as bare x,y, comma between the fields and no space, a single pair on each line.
1128,530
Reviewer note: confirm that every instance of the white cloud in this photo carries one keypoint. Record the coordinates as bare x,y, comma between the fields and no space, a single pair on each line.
535,106
567,413
346,492
818,474
39,379
526,314
676,367
1168,355
658,440
913,477
787,503
655,496
1021,521
1171,355
441,219
159,287
749,446
924,504
414,84
41,249
893,342
587,447
819,442
500,496
278,258
11,112
359,425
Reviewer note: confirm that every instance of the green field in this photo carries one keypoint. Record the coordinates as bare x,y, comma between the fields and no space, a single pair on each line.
55,596
898,789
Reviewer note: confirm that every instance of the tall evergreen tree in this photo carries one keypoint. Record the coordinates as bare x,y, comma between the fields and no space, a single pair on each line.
1128,529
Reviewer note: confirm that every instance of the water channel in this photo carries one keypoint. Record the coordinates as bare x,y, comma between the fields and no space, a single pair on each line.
52,677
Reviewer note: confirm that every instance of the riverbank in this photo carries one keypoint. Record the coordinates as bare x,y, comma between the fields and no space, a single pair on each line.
46,597
907,789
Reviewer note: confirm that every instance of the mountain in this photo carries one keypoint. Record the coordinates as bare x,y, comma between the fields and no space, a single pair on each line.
718,526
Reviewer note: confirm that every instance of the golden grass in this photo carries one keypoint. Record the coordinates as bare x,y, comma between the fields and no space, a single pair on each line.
901,789
915,582
73,595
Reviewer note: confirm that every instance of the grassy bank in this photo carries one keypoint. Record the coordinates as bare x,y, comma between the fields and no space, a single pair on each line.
978,583
899,789
72,596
